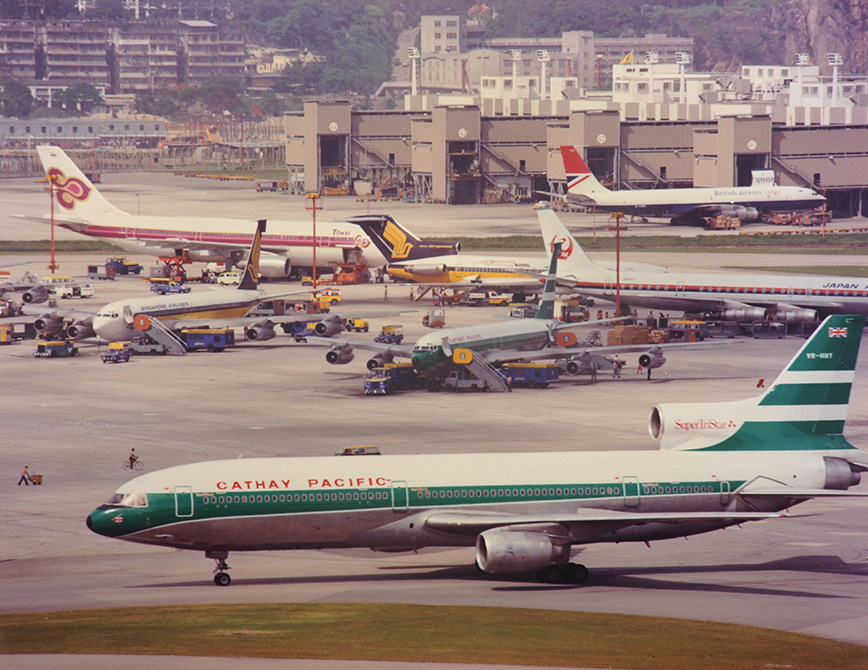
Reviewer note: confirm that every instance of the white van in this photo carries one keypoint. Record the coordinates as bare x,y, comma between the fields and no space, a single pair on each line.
229,278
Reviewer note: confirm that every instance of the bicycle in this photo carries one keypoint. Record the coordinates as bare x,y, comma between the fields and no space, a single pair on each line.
135,465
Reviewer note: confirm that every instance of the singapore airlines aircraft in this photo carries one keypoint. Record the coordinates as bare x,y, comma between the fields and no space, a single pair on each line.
738,297
684,205
206,238
720,464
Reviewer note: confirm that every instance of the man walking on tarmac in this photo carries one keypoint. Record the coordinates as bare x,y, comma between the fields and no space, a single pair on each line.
25,476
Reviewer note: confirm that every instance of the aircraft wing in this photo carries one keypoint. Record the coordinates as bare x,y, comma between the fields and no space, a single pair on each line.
457,523
399,350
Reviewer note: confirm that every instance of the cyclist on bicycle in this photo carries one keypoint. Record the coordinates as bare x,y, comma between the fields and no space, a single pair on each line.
133,458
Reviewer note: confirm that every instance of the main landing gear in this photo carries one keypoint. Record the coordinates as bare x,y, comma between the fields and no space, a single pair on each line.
571,573
221,578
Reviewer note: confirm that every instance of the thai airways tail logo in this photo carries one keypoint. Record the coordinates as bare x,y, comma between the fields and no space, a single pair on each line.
68,190
566,247
401,248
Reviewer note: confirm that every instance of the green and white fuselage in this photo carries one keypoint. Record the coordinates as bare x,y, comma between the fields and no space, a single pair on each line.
719,464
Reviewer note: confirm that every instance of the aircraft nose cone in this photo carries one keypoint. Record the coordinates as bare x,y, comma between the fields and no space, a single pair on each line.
89,522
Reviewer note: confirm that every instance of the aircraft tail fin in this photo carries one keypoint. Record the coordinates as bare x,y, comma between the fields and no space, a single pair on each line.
580,179
250,274
397,244
573,259
804,409
74,193
547,302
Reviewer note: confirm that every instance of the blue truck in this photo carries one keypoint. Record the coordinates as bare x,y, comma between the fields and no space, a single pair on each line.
393,377
163,287
534,375
208,339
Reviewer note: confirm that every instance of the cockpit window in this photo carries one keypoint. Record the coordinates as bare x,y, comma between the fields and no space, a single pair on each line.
419,348
129,500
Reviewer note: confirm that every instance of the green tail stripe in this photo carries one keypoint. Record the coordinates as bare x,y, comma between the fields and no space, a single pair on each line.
785,436
808,394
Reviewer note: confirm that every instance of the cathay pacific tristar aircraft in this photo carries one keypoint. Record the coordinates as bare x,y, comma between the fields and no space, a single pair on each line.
685,205
720,464
736,297
543,337
207,238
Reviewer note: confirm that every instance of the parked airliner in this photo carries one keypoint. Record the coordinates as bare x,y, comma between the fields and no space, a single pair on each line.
684,205
83,209
737,297
720,464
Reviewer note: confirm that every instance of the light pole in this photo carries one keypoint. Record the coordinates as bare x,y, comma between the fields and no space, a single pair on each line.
313,207
617,228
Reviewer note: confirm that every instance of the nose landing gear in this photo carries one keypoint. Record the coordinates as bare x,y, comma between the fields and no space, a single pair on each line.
221,578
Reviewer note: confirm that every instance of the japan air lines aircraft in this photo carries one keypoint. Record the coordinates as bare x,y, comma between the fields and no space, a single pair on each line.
719,464
737,297
80,207
684,205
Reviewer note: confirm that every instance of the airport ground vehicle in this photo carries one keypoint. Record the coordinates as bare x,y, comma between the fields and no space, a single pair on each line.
435,318
232,277
522,310
118,352
208,339
300,329
358,451
390,335
101,272
535,375
168,286
462,380
688,330
55,349
143,344
480,298
329,296
393,377
122,266
357,325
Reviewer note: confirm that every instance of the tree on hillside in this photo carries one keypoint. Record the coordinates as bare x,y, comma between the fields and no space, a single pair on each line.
15,99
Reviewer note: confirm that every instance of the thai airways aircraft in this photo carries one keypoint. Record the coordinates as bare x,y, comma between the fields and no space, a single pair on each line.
687,206
720,464
206,238
543,337
123,319
745,297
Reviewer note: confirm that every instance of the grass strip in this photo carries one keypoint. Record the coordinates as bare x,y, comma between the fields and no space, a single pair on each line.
830,270
400,632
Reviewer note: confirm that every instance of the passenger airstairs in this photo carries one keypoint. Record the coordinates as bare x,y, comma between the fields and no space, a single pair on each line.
484,371
155,329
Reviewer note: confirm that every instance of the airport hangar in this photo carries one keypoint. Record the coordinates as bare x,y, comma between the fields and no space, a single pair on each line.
473,150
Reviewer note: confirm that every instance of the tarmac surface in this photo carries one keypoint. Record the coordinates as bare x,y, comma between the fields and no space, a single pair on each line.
75,420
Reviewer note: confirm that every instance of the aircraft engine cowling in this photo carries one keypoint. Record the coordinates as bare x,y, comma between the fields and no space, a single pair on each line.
425,270
35,295
378,361
741,212
77,331
576,366
500,551
340,355
652,359
841,474
329,327
743,314
694,425
259,333
794,315
48,324
275,267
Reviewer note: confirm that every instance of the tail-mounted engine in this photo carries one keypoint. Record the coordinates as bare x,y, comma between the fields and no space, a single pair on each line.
841,474
340,354
696,425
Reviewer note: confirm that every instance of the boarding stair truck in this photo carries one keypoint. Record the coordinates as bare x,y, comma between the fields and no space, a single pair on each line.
534,375
158,332
208,339
392,377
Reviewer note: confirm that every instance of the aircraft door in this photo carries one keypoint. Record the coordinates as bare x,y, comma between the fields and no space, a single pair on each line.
724,493
680,289
400,496
608,288
183,501
631,491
